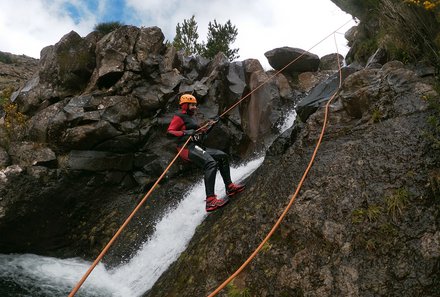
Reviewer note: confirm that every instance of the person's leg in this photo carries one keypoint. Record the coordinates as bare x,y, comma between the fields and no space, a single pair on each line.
209,165
223,164
204,160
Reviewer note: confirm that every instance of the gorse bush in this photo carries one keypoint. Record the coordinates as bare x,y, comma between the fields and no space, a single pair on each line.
14,121
428,5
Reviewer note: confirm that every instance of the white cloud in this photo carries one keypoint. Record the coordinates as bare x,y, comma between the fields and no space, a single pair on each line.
26,26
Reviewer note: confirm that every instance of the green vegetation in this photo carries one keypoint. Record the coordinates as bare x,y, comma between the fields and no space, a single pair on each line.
379,239
433,134
5,58
14,122
426,4
267,246
234,291
378,232
187,37
397,202
416,20
376,115
401,52
107,27
219,39
365,49
371,214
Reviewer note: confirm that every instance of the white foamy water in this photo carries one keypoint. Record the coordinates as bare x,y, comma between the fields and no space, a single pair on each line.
290,119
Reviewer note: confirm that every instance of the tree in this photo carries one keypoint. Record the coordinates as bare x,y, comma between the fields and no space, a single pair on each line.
187,36
220,37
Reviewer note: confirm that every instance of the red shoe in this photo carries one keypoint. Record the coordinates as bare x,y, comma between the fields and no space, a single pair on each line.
233,189
212,203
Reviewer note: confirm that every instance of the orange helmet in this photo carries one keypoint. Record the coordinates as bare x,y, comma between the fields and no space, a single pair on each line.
187,98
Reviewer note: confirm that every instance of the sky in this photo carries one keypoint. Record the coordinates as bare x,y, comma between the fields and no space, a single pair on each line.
27,26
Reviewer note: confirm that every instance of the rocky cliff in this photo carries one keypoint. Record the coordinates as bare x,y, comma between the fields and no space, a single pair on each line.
366,222
86,139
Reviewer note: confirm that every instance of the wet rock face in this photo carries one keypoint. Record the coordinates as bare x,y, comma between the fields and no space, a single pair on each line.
363,220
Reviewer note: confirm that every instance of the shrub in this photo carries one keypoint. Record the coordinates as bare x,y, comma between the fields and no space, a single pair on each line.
426,4
14,121
105,28
5,58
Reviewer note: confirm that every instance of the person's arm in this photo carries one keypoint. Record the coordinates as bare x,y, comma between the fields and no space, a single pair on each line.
207,126
176,128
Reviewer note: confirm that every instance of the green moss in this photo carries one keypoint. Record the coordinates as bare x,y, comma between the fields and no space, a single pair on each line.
376,115
266,247
234,291
358,216
371,213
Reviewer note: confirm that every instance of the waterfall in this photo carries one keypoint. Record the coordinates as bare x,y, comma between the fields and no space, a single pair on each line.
38,276
50,277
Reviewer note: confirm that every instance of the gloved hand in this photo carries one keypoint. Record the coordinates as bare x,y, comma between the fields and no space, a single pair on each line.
190,132
197,137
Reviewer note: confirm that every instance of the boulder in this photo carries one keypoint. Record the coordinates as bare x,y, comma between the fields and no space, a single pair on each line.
320,94
68,64
99,161
292,60
85,137
330,62
27,154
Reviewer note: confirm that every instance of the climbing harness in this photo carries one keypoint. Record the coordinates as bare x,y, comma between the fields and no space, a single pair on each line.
215,292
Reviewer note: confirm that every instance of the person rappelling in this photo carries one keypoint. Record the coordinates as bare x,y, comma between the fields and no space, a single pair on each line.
184,125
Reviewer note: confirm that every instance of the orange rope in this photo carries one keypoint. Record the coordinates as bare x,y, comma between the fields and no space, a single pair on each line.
104,251
292,199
